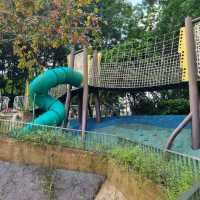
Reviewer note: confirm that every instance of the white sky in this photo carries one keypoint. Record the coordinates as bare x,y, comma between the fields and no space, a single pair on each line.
134,1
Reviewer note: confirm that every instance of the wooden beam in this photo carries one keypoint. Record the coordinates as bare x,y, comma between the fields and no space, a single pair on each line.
80,103
85,93
97,106
68,98
96,95
90,111
193,87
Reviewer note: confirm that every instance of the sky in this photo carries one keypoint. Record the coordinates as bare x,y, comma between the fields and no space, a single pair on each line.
135,1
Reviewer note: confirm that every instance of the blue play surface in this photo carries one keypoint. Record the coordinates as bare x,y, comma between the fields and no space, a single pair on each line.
150,130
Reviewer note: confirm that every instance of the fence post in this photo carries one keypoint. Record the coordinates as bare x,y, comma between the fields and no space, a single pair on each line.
193,87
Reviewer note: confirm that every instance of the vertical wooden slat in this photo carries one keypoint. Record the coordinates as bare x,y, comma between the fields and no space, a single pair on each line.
68,98
85,93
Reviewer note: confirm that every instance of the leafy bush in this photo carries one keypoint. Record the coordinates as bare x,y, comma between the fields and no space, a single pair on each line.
157,169
173,106
68,139
53,137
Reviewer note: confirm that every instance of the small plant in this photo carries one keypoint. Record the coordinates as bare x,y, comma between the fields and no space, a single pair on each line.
48,183
47,136
156,168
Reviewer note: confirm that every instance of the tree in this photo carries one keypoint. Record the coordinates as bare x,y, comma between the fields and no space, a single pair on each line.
39,26
116,17
12,78
173,13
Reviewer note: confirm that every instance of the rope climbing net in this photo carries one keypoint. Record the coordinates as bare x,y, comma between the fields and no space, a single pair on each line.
150,63
140,64
154,62
196,31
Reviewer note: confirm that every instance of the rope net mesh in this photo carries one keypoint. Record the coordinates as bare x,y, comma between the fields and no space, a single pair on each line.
196,32
58,91
155,62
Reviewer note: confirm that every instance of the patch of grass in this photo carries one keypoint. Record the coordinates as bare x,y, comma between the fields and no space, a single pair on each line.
48,183
49,137
175,181
57,137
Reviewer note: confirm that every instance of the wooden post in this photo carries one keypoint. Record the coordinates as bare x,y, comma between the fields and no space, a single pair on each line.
90,111
95,67
68,98
85,93
80,103
26,96
96,97
97,106
193,87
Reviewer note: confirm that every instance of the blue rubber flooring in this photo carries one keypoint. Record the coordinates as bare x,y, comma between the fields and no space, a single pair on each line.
150,130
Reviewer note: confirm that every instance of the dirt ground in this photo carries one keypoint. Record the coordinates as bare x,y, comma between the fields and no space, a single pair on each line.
26,182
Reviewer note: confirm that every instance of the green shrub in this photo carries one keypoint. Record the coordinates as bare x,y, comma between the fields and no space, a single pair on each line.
157,169
173,106
53,137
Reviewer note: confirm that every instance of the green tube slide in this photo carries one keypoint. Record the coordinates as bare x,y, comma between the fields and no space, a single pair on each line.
39,87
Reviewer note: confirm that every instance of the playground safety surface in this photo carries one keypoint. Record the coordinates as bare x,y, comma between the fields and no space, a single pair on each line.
149,130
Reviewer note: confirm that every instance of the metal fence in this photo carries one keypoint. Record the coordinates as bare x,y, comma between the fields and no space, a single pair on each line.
193,194
98,142
58,136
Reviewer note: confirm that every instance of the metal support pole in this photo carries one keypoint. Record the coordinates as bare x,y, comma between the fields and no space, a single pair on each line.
85,93
179,128
68,98
193,88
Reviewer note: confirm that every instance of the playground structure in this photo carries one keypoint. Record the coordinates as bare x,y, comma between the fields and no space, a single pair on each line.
39,93
158,63
168,62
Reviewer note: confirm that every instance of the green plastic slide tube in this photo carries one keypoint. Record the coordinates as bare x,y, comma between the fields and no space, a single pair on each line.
39,88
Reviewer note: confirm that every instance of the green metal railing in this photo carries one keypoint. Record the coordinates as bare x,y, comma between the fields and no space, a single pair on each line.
193,194
98,142
59,136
